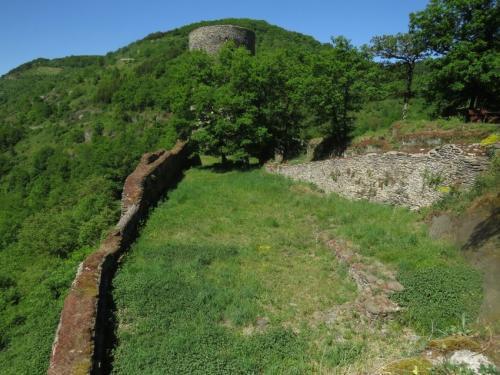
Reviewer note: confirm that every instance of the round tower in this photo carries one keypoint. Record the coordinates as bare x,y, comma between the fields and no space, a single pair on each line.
211,38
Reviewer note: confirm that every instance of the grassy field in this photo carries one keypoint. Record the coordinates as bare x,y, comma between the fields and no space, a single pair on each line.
231,275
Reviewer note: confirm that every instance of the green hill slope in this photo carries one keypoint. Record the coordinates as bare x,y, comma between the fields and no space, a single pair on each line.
232,275
71,129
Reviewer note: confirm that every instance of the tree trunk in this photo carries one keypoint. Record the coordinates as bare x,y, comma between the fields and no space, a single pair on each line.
279,155
223,158
405,109
408,94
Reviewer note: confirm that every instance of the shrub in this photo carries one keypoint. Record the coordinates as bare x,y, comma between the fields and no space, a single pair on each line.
440,297
49,233
41,159
9,295
10,135
3,342
107,87
491,139
90,231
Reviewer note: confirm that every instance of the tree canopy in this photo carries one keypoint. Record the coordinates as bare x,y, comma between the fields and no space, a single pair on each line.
465,38
242,106
406,48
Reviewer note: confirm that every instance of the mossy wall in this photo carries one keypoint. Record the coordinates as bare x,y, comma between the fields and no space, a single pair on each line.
79,344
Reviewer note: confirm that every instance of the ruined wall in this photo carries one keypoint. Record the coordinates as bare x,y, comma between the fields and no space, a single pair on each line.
80,338
211,38
411,180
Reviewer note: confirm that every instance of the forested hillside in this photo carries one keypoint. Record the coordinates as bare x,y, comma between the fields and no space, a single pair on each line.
72,129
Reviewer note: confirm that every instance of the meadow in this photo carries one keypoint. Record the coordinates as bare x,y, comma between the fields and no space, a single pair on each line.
231,274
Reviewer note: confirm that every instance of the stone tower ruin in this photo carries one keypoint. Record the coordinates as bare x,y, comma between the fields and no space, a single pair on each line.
211,38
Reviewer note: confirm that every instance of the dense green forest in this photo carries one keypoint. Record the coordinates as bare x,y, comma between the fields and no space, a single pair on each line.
72,128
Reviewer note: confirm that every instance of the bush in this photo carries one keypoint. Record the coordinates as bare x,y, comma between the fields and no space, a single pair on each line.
41,159
107,87
9,295
9,136
5,165
440,297
49,233
90,231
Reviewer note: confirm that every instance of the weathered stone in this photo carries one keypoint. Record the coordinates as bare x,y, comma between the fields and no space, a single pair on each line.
411,180
315,149
473,361
323,148
79,343
380,305
373,300
211,38
393,286
87,135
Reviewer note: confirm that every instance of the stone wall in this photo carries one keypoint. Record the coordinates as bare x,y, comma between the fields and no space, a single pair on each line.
411,180
79,345
211,38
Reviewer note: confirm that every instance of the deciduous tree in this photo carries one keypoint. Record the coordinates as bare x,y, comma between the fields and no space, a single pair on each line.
406,48
464,36
338,80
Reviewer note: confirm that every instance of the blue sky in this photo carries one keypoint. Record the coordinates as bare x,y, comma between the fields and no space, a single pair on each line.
56,28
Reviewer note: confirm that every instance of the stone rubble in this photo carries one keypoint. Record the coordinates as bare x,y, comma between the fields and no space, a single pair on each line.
473,361
375,281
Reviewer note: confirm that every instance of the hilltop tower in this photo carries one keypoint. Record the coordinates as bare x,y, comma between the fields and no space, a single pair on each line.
211,38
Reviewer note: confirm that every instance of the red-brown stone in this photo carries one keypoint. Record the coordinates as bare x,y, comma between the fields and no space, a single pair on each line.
74,351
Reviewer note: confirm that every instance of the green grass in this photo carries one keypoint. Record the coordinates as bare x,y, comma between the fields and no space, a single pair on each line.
376,117
462,132
30,306
231,275
439,296
413,126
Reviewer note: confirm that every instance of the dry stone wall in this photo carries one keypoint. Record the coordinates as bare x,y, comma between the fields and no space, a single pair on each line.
411,180
211,38
80,338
